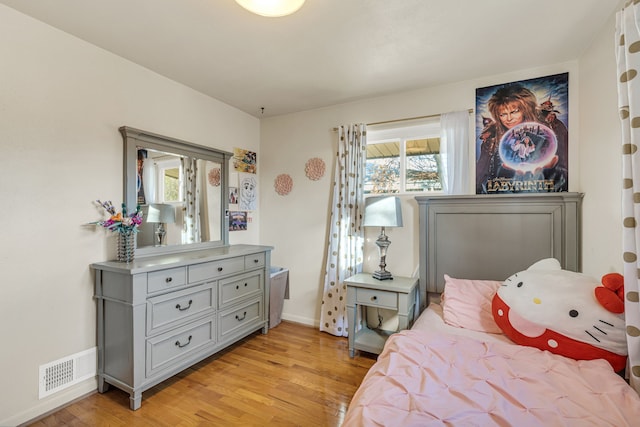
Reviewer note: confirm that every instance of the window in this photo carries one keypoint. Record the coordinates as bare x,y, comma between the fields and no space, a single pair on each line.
403,159
169,188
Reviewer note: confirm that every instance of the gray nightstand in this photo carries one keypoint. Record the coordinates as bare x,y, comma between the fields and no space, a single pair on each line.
363,290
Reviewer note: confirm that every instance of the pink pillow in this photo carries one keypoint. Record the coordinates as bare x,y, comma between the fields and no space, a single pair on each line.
467,304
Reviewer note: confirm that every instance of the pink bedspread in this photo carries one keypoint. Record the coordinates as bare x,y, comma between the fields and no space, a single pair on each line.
431,379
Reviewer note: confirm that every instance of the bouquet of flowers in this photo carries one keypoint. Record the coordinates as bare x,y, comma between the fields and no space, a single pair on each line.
120,222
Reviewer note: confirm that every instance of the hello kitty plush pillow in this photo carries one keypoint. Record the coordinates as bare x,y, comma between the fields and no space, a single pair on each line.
564,312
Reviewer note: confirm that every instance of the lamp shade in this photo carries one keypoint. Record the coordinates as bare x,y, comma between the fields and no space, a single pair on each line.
161,212
382,211
271,8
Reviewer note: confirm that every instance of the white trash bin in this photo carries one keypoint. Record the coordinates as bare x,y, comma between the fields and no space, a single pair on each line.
278,293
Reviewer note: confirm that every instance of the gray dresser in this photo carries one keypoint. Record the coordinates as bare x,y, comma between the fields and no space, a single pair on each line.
161,314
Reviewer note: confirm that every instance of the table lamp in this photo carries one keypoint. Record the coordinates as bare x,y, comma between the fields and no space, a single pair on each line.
382,211
160,214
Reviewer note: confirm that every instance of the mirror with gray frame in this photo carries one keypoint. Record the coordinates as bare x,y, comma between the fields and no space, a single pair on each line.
181,188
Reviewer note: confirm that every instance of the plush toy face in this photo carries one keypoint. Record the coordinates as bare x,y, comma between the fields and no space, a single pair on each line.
560,311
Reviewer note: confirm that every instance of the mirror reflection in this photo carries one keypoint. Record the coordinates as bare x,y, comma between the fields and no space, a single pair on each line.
181,189
179,197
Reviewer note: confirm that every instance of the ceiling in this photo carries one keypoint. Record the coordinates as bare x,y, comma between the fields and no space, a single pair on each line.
330,51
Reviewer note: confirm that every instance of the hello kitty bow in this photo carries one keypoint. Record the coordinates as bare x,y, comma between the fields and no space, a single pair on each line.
611,294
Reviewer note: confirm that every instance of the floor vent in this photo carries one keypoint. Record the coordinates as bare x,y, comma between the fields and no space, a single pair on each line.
62,373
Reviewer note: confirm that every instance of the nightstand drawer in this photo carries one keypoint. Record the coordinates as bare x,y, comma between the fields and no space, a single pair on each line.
375,298
166,279
179,306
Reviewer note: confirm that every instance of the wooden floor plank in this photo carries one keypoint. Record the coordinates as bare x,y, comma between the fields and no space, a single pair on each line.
292,376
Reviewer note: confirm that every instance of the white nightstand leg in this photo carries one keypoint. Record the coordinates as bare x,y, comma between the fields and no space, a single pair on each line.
351,319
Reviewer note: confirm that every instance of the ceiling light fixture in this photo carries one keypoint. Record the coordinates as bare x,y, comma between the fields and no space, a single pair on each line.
271,8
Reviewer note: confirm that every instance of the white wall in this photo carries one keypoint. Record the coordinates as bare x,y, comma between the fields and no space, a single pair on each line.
600,156
296,224
61,103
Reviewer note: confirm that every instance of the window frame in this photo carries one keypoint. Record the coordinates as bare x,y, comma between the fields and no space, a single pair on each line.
161,167
397,132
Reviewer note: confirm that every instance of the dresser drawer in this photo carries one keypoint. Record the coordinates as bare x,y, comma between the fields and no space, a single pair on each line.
174,346
234,289
214,269
375,298
166,279
254,261
233,321
179,306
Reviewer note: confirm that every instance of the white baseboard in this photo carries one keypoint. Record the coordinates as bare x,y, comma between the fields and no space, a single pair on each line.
303,320
52,403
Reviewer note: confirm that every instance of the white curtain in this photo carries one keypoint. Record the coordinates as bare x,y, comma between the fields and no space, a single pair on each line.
191,207
149,178
628,60
345,235
454,152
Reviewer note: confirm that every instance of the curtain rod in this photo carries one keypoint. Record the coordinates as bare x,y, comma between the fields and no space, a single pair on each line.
431,116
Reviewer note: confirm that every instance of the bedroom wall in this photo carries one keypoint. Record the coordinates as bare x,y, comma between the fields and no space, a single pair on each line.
61,103
289,141
296,224
600,156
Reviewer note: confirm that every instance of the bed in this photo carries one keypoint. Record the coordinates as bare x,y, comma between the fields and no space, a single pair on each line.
454,366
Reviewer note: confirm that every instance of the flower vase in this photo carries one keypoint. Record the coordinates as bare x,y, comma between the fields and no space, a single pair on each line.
126,246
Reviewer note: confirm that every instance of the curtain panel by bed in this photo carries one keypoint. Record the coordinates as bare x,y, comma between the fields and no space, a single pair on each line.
345,235
628,63
454,151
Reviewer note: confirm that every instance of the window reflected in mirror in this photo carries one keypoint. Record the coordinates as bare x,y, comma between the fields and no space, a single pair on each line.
170,181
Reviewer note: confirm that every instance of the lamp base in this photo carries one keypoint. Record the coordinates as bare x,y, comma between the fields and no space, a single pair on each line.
382,275
160,233
383,243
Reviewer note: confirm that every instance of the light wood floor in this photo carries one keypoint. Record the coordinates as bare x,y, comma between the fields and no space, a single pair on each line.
292,376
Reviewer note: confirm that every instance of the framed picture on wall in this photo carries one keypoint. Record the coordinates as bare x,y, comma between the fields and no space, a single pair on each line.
245,160
237,221
248,192
522,137
233,195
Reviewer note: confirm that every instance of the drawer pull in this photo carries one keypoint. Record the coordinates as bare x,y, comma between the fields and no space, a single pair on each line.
374,298
186,308
240,319
256,261
220,269
238,286
168,279
184,345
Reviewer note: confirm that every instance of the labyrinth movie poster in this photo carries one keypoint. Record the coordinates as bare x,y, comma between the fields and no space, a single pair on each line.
522,137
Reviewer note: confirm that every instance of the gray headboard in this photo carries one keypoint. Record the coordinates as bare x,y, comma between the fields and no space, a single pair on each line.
491,237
